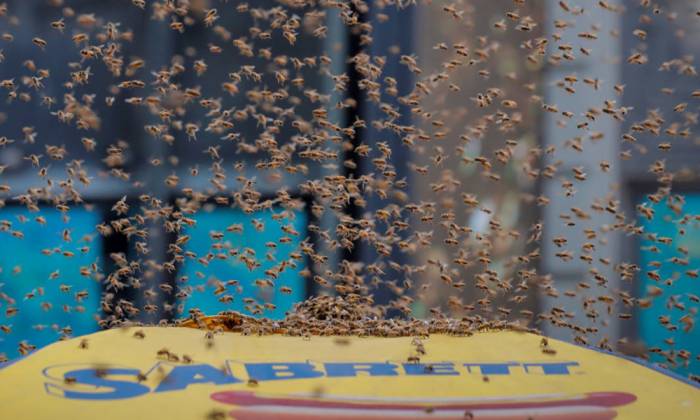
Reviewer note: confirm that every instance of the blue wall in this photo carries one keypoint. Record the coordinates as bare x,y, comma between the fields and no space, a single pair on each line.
202,295
35,268
665,224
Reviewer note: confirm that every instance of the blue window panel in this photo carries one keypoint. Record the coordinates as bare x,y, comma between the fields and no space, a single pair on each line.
202,286
24,269
666,224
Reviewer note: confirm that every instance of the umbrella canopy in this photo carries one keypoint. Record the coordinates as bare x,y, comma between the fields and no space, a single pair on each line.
184,373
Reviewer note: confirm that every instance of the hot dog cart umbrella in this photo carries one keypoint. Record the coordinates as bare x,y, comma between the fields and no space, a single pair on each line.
187,373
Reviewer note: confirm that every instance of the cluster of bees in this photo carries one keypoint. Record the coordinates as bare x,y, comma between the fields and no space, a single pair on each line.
348,315
352,164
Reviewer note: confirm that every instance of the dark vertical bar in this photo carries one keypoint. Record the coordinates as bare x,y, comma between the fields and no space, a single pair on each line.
396,31
352,113
116,243
159,50
309,283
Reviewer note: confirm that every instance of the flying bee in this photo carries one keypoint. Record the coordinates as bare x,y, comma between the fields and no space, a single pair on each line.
39,42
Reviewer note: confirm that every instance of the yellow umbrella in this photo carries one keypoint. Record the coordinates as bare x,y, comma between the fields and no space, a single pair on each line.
184,373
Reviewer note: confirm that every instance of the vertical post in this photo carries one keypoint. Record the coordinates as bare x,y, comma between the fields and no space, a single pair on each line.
353,112
602,64
394,30
159,50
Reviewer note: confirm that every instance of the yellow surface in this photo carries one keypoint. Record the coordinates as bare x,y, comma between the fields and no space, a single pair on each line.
35,387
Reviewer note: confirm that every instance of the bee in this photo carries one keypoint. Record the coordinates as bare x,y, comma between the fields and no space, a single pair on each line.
39,42
216,414
59,25
177,26
210,17
341,341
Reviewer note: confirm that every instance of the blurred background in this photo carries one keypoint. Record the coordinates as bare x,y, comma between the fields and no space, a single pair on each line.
38,278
